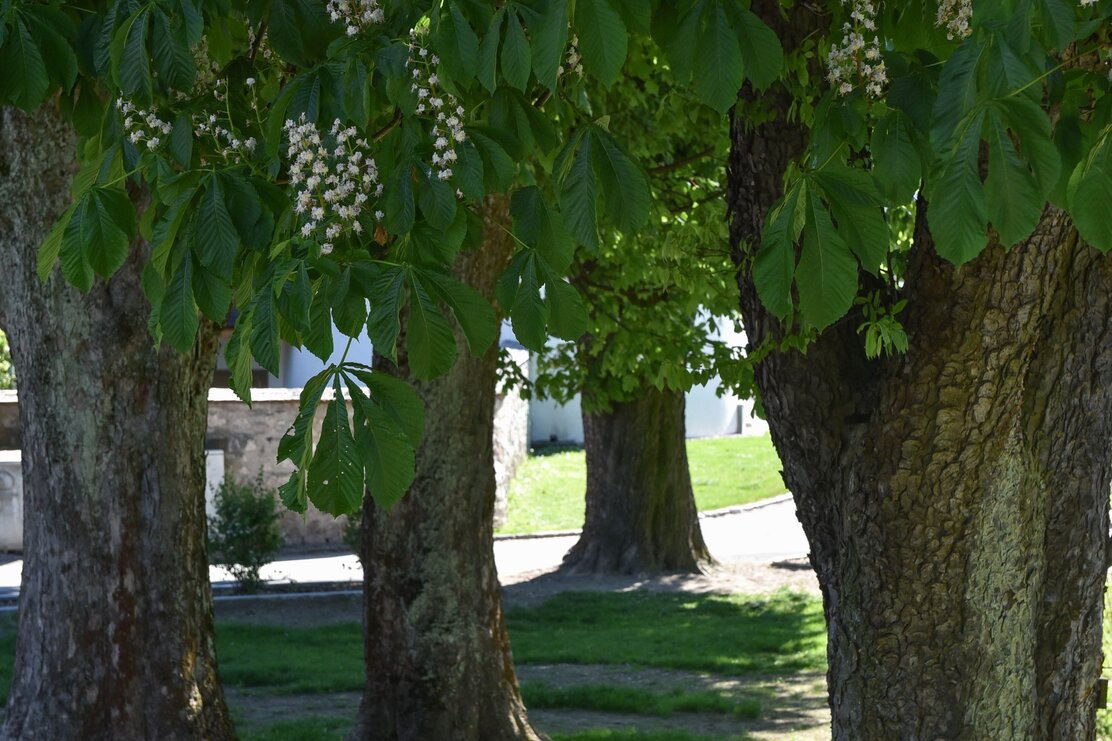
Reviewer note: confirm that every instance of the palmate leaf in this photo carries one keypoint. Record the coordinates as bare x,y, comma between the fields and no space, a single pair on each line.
296,445
430,343
456,41
386,452
517,58
567,314
396,397
264,331
336,473
549,38
827,273
24,81
625,187
131,64
718,65
761,51
578,196
856,205
538,224
957,215
472,312
519,293
384,324
774,265
487,64
896,162
1090,193
1012,195
603,39
173,59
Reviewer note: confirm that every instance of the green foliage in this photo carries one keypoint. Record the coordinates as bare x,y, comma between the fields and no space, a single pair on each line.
548,491
7,373
614,699
204,108
244,534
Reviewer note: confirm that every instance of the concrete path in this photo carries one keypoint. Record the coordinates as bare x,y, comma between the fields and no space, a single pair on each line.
765,531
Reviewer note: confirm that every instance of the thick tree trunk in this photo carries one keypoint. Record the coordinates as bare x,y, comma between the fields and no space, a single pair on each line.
115,614
956,497
641,513
438,657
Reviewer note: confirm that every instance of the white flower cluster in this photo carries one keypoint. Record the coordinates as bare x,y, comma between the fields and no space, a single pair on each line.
357,15
447,131
573,61
143,126
955,16
228,144
854,59
332,186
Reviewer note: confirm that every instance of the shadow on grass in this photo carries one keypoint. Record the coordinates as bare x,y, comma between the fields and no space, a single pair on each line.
725,634
542,450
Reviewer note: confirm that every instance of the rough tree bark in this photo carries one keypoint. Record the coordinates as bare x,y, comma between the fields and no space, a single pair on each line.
641,513
115,613
956,497
437,654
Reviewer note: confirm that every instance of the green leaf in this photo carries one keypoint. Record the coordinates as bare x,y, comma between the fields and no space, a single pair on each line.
173,59
237,356
178,313
216,239
896,162
388,456
516,57
603,40
24,81
1011,192
956,214
718,66
108,226
549,41
429,341
539,225
456,41
761,51
498,166
855,204
181,141
957,92
398,399
399,209
131,64
319,339
1090,193
75,259
472,312
212,294
827,273
296,444
488,52
335,473
264,331
519,292
625,187
52,245
47,25
567,315
774,265
438,202
578,199
383,325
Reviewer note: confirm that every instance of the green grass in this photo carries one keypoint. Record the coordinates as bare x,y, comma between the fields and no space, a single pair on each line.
548,491
8,628
291,661
608,734
734,634
305,729
608,698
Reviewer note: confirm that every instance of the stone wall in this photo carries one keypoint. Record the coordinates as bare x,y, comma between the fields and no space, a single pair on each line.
248,437
511,438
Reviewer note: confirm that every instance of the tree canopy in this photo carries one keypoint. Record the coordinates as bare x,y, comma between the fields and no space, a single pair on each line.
315,163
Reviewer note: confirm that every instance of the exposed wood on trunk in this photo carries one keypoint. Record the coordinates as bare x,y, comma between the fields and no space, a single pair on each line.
115,624
438,657
641,513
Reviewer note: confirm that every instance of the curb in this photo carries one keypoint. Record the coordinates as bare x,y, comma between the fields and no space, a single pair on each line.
735,510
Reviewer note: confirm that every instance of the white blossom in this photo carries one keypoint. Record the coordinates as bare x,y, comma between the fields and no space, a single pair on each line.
356,15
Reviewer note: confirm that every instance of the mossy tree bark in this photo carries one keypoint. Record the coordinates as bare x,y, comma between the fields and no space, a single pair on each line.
115,614
641,513
956,497
437,653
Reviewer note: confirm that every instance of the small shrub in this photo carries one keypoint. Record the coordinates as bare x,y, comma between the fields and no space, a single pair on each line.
244,534
7,373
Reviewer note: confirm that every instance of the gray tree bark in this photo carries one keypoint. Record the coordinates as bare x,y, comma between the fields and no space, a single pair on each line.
641,514
115,615
438,656
956,497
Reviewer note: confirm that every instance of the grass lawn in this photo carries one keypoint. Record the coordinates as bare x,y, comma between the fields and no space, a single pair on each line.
548,491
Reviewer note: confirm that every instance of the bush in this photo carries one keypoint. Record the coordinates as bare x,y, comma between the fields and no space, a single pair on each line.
244,533
7,374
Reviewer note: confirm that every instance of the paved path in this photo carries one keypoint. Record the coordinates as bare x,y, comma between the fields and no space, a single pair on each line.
763,532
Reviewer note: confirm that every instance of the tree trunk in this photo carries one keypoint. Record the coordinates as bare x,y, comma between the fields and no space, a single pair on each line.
956,497
641,513
438,657
115,613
